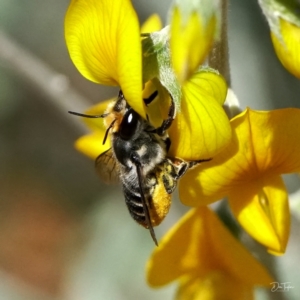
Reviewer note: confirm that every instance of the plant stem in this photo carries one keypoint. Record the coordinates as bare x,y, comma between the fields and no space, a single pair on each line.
55,87
219,56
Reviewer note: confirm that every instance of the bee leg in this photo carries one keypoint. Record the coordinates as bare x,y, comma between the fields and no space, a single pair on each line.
169,183
196,162
169,176
168,122
167,143
182,166
136,160
174,169
148,100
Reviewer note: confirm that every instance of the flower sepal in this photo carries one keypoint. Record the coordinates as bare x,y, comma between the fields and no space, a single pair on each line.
157,62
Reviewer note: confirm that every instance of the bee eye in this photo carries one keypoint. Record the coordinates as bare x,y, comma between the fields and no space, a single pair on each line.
129,125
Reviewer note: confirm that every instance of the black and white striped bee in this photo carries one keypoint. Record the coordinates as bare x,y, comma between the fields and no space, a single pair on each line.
139,158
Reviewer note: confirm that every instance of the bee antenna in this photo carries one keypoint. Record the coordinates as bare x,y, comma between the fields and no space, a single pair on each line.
88,116
107,130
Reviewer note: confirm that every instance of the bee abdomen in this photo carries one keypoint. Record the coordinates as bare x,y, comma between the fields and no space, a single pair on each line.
135,206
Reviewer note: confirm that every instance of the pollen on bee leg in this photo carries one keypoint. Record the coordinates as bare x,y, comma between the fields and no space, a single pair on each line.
161,202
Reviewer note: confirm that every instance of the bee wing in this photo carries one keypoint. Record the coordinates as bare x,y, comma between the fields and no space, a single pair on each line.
107,167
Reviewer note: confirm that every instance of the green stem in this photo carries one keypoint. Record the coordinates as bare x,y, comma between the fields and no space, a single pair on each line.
219,56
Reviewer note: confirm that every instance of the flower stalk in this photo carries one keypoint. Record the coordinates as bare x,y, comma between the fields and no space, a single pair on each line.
218,58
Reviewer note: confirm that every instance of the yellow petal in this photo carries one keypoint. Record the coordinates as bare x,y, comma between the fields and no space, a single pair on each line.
153,23
273,140
189,42
198,244
288,49
103,40
157,110
262,209
212,286
232,257
201,128
262,143
92,145
96,110
180,251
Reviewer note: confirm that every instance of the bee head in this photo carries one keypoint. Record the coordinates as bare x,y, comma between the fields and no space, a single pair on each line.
122,119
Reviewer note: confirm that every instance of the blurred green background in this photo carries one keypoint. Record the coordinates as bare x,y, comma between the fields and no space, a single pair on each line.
63,233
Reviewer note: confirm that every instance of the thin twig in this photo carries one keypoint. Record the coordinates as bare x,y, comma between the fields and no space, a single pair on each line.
219,55
54,86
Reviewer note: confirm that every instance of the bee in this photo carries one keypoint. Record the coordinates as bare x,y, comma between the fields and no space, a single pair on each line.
139,158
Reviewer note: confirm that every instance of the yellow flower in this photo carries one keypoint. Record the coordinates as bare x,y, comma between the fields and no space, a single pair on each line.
206,259
264,145
103,39
287,46
193,29
91,144
200,130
